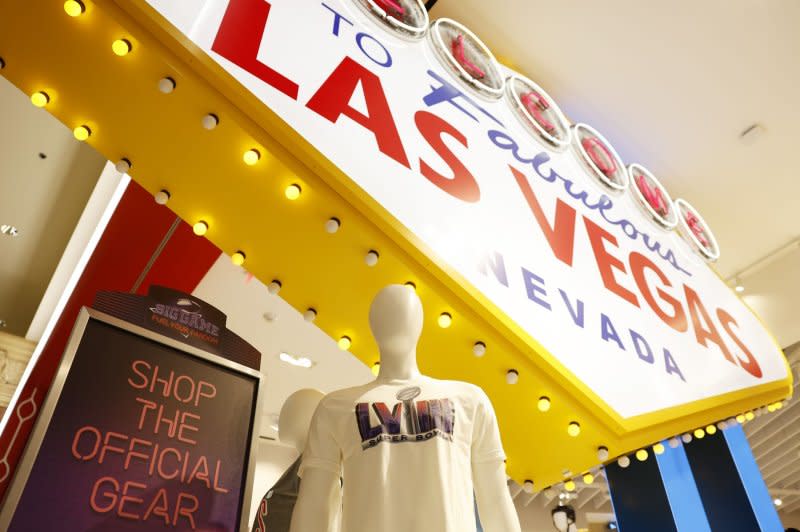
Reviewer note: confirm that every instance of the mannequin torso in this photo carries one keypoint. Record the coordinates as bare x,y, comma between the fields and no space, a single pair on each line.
417,451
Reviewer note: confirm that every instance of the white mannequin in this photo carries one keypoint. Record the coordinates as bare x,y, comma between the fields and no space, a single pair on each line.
396,321
295,417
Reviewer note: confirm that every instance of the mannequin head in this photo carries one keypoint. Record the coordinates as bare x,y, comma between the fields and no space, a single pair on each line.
563,518
395,318
295,417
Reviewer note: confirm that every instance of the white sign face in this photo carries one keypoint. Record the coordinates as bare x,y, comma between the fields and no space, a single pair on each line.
627,306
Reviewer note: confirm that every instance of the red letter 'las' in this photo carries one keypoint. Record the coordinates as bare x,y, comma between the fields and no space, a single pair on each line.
333,100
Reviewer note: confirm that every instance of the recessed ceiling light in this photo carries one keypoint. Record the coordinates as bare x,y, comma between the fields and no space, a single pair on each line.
9,230
293,360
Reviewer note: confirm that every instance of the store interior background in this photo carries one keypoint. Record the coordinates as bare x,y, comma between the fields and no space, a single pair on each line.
672,86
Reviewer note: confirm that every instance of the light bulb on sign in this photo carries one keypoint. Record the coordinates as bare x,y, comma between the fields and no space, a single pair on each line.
659,448
699,434
588,479
479,349
344,343
238,258
121,47
512,376
293,192
274,287
166,85
686,438
123,166
310,315
544,405
74,8
602,454
574,429
82,133
711,430
371,259
251,157
749,416
445,320
624,462
210,121
569,485
200,228
40,98
376,368
162,197
332,225
674,443
642,455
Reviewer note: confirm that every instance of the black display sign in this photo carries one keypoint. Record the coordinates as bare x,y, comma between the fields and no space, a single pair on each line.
139,432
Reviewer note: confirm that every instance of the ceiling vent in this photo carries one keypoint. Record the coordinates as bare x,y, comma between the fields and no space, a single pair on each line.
752,133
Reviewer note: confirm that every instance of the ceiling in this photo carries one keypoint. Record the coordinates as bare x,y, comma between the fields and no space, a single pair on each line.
42,197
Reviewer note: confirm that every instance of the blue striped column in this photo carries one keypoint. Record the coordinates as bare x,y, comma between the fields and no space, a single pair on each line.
710,485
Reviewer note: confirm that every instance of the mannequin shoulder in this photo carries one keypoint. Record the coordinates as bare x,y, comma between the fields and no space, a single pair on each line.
344,398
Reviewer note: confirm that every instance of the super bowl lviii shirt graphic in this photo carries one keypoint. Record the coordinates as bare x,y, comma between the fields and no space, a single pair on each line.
405,451
407,421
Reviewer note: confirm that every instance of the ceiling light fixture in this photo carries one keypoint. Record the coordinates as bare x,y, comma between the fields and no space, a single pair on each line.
574,429
777,501
445,320
737,284
512,376
9,230
297,361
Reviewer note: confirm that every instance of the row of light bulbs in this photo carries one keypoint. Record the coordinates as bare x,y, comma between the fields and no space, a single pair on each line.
643,454
122,47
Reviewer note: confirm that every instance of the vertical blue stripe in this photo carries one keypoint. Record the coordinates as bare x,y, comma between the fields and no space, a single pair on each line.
682,494
752,481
